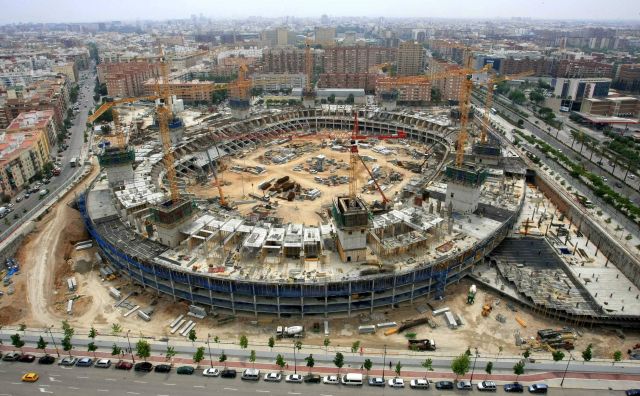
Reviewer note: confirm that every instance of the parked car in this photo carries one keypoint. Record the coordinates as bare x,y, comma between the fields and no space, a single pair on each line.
419,383
312,379
444,385
162,368
11,357
68,361
632,392
103,363
538,388
273,377
464,385
228,373
297,378
84,362
27,358
143,366
46,359
376,381
488,386
122,365
185,370
331,379
514,388
211,372
396,382
251,374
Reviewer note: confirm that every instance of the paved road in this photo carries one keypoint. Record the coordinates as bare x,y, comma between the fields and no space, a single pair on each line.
76,147
55,380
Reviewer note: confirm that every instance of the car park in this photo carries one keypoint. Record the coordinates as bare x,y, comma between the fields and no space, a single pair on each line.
297,378
514,388
538,388
46,359
26,358
84,362
162,368
273,377
143,367
376,381
185,370
419,383
11,357
103,363
444,385
331,379
122,365
228,373
211,372
487,386
312,379
30,377
464,385
68,361
396,382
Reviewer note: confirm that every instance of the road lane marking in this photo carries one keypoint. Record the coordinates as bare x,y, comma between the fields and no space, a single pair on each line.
170,384
102,390
73,387
133,393
294,393
110,379
326,395
198,386
231,389
82,377
16,383
42,390
140,382
262,391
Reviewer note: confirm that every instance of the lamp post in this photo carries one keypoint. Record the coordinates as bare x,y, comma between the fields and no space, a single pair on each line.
209,346
53,340
131,350
384,360
474,366
566,369
295,363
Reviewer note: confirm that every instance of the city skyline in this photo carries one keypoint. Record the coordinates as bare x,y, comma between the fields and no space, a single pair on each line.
40,11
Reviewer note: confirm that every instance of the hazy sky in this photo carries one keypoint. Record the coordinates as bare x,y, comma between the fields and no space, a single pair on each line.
92,10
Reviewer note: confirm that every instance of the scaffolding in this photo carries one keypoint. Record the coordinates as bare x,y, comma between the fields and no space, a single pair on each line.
466,174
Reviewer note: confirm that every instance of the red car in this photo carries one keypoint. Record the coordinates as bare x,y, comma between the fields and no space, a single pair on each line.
27,358
122,365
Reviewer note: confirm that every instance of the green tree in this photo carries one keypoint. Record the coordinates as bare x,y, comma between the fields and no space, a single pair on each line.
526,353
500,349
326,344
503,88
617,356
192,336
517,96
223,359
338,360
428,366
143,349
17,342
170,353
244,342
66,344
298,345
536,97
468,352
198,356
42,344
219,96
280,361
460,365
116,329
115,350
93,333
368,364
436,95
23,328
67,329
92,347
331,99
557,355
252,357
216,339
355,346
489,368
310,361
518,369
398,368
587,354
272,342
350,99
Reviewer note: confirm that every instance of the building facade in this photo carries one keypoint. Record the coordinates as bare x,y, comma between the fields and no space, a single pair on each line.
125,80
410,61
272,82
22,156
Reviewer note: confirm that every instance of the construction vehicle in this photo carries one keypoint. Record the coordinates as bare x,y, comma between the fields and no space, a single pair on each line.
422,345
291,331
471,296
486,309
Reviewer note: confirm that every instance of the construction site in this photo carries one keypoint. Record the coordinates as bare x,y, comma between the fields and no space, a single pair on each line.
351,221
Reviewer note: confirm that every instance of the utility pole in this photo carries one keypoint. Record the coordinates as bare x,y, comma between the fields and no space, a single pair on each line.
131,350
54,341
209,346
566,369
295,363
474,366
384,360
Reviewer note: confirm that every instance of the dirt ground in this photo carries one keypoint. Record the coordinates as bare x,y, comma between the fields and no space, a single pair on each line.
237,184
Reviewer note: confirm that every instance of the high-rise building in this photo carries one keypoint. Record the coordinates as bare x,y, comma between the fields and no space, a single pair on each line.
125,80
36,120
584,68
325,36
628,77
366,81
450,86
410,58
283,60
282,36
356,59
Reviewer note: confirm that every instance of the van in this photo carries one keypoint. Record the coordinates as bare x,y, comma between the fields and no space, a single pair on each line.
352,379
251,374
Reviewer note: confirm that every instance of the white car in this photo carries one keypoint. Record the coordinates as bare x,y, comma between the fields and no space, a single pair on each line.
396,383
103,363
273,377
419,383
487,386
331,379
464,385
211,372
297,378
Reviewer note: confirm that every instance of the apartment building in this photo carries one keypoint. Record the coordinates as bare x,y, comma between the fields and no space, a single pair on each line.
125,80
627,77
69,69
449,87
410,92
283,60
22,156
51,94
271,82
36,121
325,36
366,81
189,91
583,68
616,106
410,60
356,59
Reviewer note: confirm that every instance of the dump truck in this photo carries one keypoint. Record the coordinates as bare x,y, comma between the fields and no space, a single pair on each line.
291,331
422,345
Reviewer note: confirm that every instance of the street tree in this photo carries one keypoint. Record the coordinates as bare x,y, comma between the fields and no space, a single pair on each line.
428,366
310,361
526,353
198,356
67,329
500,349
355,346
252,357
398,368
192,336
298,345
617,356
368,364
116,329
587,354
557,355
488,368
468,352
17,342
42,344
460,365
66,344
518,369
223,359
244,342
272,342
280,362
93,333
338,360
92,347
170,353
143,349
326,344
115,350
